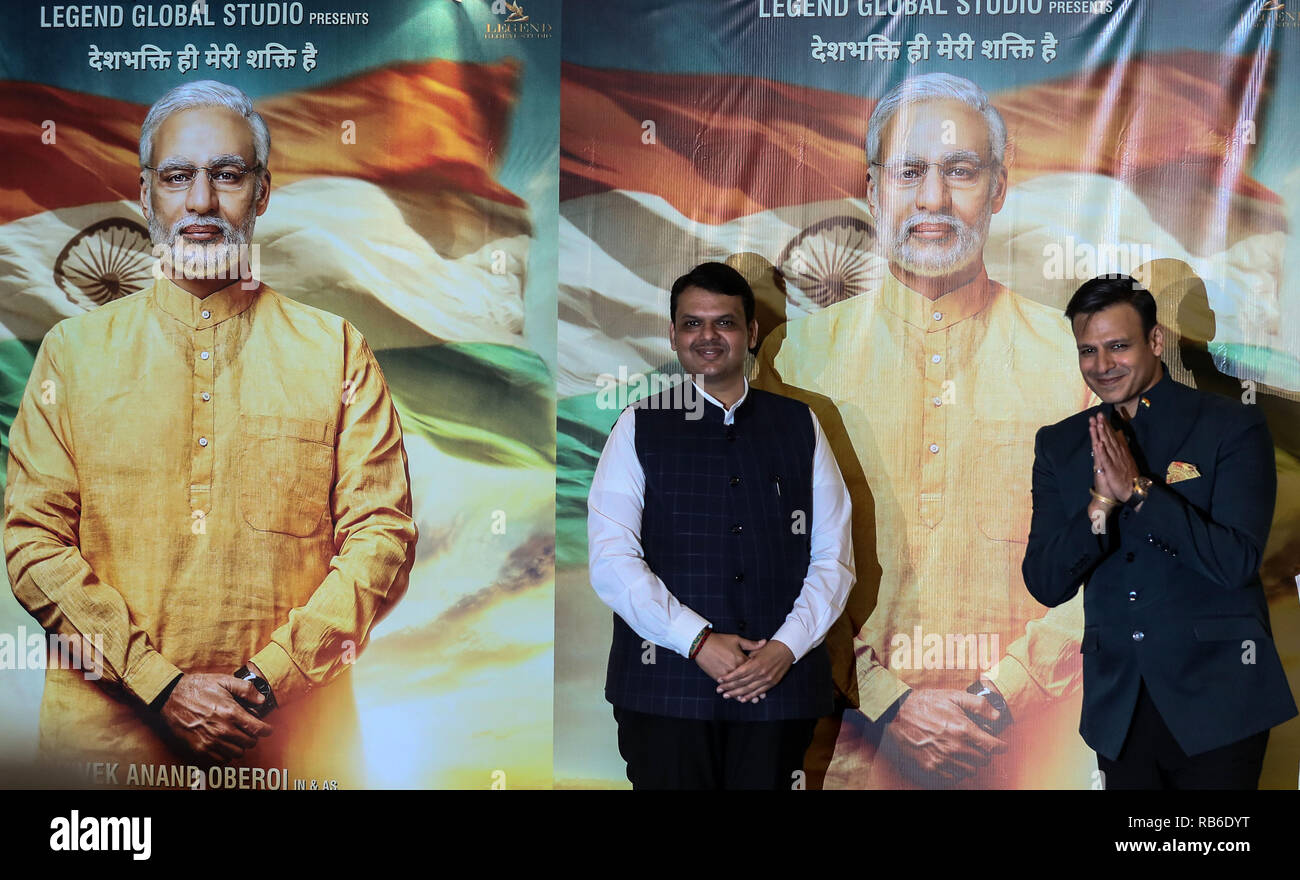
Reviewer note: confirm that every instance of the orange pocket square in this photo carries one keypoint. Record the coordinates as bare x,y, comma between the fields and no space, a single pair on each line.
1181,470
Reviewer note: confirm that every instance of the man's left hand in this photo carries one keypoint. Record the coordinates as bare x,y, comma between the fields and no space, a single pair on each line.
749,682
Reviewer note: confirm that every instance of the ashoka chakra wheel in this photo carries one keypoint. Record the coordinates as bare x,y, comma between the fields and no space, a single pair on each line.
828,261
105,261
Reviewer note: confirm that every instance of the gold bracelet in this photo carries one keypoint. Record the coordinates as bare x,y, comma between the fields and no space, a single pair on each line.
1102,498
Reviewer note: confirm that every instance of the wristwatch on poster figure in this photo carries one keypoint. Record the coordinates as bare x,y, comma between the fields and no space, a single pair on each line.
994,699
263,688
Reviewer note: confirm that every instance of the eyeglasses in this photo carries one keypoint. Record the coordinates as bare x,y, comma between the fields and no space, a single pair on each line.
225,178
956,174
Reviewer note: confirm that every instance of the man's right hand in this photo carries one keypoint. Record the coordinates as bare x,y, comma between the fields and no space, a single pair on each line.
719,654
203,712
933,733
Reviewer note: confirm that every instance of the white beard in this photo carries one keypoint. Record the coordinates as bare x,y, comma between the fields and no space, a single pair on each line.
215,259
934,259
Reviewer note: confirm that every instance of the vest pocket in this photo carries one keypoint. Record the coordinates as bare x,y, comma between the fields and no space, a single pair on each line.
286,467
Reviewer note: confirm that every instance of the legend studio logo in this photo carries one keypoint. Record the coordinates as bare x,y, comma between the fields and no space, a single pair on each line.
517,24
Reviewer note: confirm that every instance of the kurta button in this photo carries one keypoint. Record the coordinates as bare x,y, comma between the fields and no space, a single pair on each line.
934,447
207,314
938,316
938,401
203,441
735,481
204,355
1132,595
1138,635
736,529
935,358
739,577
206,396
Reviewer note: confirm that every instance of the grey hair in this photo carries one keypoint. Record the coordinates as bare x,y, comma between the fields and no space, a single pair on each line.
936,87
206,93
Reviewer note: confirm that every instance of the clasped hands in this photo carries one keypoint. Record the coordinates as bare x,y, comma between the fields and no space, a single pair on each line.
204,712
744,669
1113,466
934,733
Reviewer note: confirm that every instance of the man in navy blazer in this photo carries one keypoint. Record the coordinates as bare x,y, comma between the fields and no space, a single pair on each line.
1158,503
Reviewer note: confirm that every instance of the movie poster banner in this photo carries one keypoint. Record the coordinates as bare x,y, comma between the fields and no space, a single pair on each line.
413,173
1153,139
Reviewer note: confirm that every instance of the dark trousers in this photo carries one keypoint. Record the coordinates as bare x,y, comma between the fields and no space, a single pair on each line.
1151,758
682,753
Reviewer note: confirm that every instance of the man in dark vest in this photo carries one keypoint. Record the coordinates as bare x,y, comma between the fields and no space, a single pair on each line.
1158,504
719,534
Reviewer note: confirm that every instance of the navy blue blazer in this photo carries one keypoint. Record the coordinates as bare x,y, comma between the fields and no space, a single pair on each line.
1171,593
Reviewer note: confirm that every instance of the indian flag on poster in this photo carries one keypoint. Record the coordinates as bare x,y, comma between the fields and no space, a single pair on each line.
1114,172
422,250
405,231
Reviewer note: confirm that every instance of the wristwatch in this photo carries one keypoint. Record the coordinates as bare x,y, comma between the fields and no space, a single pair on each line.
1141,485
263,688
994,699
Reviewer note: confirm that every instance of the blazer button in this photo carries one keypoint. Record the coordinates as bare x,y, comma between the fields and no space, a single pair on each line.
736,529
1128,557
738,577
735,481
1138,635
740,627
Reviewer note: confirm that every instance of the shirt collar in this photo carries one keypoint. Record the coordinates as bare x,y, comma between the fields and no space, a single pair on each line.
728,413
200,314
940,314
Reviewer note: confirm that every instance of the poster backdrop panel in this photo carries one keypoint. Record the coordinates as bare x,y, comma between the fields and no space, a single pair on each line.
413,177
1154,139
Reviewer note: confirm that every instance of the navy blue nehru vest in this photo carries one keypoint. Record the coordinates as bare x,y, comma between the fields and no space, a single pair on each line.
726,525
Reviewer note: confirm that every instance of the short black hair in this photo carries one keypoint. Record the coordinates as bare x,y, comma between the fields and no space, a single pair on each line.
715,278
1105,291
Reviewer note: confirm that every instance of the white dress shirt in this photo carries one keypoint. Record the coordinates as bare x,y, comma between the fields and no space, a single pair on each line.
625,583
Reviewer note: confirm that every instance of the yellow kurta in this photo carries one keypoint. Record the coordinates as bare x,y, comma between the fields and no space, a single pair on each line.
200,483
932,408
